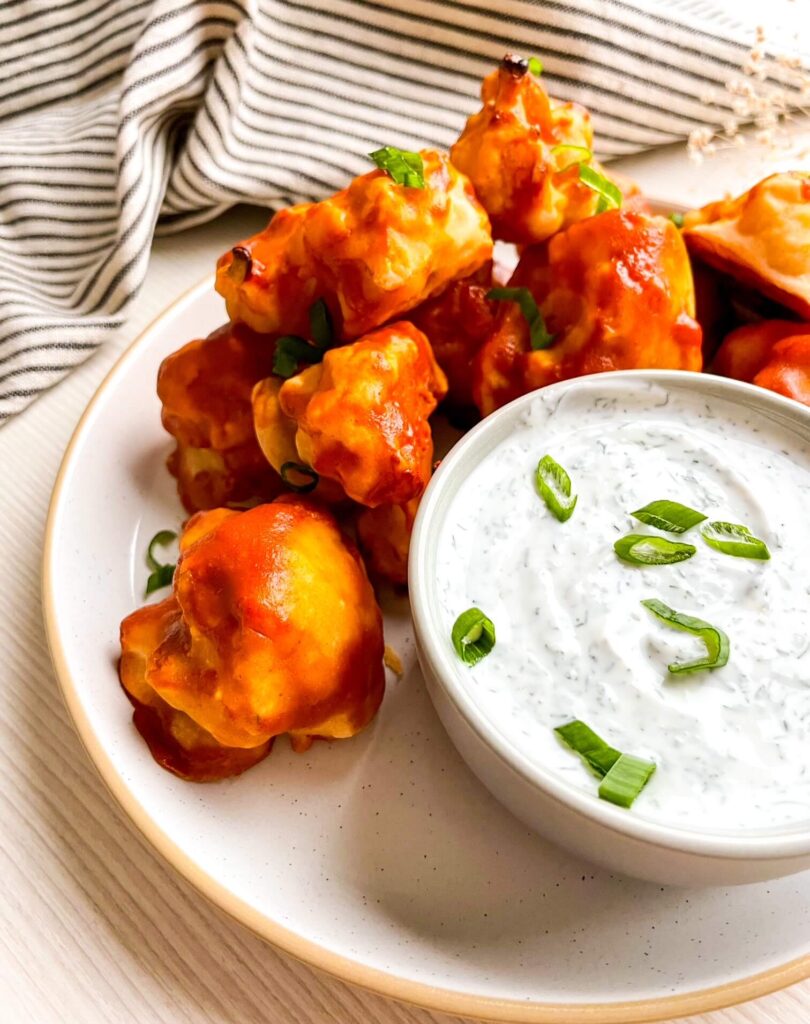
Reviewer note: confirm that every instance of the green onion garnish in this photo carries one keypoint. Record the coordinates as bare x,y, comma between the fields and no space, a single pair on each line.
609,195
669,516
538,334
641,549
677,219
291,349
302,470
716,641
590,747
401,166
623,775
473,636
290,352
554,487
161,575
625,780
733,539
579,154
535,66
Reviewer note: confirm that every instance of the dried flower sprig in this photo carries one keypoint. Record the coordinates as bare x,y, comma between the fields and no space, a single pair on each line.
769,93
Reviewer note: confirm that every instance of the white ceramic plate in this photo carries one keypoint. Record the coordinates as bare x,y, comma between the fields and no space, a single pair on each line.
380,859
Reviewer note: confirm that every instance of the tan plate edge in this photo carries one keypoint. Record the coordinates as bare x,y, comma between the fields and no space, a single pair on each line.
427,996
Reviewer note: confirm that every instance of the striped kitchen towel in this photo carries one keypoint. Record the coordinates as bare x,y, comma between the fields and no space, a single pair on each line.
120,117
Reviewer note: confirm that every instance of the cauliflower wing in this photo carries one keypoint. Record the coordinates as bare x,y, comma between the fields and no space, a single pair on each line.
384,534
761,238
457,322
522,152
615,292
774,354
361,415
272,628
205,390
372,251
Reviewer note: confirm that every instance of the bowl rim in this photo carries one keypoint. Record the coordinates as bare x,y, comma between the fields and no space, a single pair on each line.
434,653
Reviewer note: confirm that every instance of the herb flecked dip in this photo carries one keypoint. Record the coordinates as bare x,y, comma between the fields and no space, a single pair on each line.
731,744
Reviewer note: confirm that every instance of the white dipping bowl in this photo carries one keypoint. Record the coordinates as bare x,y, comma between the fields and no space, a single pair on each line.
613,837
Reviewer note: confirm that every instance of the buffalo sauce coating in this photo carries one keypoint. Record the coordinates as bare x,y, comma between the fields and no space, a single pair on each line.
522,152
272,627
362,414
372,251
205,389
774,354
457,322
616,292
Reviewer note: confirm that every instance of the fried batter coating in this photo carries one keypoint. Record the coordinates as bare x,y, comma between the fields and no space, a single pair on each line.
272,628
457,322
362,415
384,534
774,354
761,238
372,251
522,152
616,293
205,389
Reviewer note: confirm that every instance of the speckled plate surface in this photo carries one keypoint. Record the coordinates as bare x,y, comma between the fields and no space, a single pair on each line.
380,859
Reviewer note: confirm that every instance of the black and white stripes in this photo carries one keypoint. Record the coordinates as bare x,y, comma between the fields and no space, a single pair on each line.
113,112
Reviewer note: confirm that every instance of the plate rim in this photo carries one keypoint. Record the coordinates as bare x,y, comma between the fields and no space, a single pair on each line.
337,965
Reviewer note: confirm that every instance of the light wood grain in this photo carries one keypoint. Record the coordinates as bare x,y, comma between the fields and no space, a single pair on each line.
94,926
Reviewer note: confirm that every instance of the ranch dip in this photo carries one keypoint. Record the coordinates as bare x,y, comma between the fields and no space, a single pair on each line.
731,745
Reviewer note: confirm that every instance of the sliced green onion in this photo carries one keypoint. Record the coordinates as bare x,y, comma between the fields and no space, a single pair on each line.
301,470
290,352
716,641
733,539
625,780
401,166
677,219
535,66
579,154
538,334
161,575
597,754
554,486
641,549
473,636
609,195
669,516
320,324
623,775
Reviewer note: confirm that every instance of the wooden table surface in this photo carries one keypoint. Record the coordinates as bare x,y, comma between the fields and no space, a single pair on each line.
95,926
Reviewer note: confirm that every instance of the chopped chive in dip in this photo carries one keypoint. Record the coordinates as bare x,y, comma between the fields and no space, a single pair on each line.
401,165
641,549
716,641
733,539
300,470
538,333
623,775
610,198
554,486
292,350
161,575
676,218
473,636
535,66
669,516
625,780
